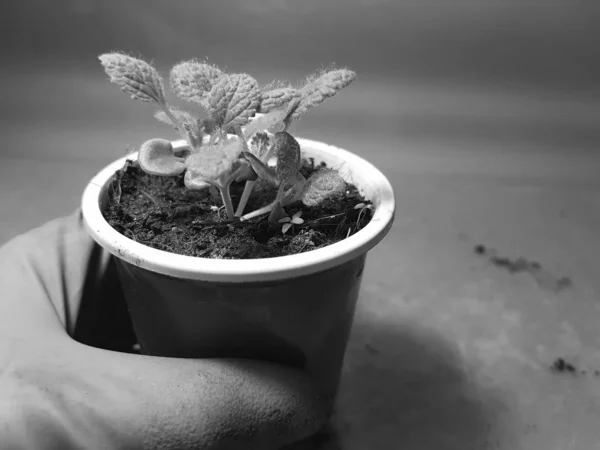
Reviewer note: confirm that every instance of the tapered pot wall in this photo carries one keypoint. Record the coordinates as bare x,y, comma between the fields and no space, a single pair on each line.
303,321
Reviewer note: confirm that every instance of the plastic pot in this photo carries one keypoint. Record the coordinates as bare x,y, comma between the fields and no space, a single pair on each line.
295,310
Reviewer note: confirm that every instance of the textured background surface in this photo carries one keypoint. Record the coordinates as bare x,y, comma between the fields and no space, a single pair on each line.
484,115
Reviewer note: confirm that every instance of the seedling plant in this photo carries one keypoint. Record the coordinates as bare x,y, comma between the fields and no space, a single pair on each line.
242,137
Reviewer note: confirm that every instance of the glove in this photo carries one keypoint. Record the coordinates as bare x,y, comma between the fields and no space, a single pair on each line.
66,381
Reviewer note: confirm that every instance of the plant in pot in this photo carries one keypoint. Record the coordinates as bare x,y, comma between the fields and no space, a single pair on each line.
238,240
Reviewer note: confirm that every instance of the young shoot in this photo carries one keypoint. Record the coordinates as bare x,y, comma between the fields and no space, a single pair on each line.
238,111
289,222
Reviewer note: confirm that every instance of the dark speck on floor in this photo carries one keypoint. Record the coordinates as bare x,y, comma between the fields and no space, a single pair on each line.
561,366
544,278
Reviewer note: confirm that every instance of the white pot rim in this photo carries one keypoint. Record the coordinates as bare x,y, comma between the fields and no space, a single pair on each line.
247,270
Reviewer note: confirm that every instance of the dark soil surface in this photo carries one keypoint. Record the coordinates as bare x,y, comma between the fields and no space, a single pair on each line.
161,213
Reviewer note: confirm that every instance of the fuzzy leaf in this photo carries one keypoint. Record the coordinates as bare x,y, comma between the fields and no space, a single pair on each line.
324,184
322,87
213,163
193,80
135,77
194,183
267,121
156,158
188,121
276,98
233,100
287,151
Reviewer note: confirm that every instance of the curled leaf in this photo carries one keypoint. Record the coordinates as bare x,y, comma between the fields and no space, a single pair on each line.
245,172
135,77
156,158
324,184
193,80
276,98
287,151
322,87
262,170
233,100
213,164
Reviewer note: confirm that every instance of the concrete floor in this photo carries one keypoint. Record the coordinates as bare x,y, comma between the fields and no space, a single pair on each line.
448,351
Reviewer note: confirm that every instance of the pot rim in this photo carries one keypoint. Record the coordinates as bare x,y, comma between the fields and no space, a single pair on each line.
244,270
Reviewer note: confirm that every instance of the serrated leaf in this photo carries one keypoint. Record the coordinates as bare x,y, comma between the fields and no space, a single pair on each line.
214,162
324,184
233,100
276,98
135,77
156,158
287,151
322,87
193,80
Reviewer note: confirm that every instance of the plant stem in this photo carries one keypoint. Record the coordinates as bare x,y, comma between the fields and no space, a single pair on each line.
226,197
245,196
259,212
265,209
179,126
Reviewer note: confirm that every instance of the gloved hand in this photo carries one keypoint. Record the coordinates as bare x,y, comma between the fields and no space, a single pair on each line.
59,295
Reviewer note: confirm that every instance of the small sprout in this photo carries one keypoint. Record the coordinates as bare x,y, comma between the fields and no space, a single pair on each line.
363,208
288,222
156,158
286,227
296,219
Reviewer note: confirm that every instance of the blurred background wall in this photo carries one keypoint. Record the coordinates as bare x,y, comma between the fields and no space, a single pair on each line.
443,86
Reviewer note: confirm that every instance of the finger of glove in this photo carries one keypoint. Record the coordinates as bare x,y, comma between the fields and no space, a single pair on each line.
59,265
38,288
100,396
